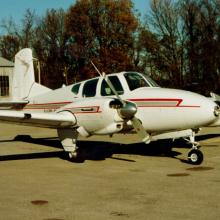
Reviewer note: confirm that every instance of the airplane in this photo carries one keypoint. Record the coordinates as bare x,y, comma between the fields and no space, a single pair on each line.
108,104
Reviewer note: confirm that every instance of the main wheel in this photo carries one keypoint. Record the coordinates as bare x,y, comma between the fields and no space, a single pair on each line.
76,157
195,157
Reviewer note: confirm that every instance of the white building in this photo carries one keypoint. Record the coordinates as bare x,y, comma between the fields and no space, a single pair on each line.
6,74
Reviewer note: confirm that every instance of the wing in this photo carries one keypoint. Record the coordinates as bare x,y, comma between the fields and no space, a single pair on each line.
172,135
63,119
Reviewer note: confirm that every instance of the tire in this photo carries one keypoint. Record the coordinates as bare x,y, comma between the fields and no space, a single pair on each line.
195,157
76,158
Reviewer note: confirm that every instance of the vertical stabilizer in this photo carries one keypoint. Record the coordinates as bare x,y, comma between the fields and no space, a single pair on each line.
23,74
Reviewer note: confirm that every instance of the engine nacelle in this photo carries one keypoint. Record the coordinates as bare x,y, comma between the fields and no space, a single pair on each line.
95,116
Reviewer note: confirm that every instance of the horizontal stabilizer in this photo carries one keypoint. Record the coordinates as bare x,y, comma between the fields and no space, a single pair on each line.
12,104
49,120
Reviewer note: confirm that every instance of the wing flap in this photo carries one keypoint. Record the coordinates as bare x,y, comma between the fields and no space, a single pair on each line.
49,120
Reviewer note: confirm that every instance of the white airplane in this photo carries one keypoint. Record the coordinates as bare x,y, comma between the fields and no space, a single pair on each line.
105,105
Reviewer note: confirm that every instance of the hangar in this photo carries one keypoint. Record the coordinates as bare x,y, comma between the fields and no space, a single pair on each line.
6,74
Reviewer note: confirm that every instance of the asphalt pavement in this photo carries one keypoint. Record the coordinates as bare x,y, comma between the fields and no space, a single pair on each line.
120,178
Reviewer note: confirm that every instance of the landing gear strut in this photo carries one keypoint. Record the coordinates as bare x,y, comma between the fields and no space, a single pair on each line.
68,139
195,156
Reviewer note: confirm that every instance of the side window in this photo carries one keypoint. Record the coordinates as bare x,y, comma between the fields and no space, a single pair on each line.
89,89
105,90
75,89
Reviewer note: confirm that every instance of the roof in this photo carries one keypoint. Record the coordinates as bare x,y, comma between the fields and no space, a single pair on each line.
5,63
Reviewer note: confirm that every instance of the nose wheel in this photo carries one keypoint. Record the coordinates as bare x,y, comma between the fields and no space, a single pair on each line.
195,157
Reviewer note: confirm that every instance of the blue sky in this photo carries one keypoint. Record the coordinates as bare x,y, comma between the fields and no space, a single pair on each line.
17,8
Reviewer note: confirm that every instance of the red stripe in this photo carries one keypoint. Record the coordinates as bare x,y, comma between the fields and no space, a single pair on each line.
179,101
49,103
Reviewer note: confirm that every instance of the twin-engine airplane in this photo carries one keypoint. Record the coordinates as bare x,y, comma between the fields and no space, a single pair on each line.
105,105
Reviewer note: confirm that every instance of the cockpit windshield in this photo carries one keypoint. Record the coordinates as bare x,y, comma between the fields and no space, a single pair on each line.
137,80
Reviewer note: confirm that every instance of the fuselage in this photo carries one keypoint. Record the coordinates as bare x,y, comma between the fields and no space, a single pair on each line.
159,109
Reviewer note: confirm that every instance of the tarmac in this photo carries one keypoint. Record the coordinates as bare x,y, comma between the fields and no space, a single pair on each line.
120,178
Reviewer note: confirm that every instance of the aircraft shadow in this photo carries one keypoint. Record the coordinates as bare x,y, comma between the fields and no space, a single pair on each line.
51,141
181,143
206,136
30,156
99,150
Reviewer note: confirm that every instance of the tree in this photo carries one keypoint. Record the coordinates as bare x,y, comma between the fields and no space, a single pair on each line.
165,22
146,47
50,48
201,25
17,38
101,31
9,46
25,32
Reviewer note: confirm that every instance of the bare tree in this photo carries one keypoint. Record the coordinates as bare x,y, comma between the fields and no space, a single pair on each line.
164,21
50,47
201,22
9,46
24,32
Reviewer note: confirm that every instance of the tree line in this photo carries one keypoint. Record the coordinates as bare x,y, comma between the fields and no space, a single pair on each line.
177,44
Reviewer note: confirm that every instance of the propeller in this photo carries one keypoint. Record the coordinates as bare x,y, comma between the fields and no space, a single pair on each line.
128,110
215,96
216,99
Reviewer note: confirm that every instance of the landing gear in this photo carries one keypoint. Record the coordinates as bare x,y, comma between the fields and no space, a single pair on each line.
195,156
68,138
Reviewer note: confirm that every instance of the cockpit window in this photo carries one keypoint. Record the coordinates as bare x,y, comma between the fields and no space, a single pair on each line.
75,89
89,89
105,90
135,81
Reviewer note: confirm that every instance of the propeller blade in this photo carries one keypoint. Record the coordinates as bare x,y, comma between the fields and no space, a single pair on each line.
103,75
140,130
113,89
216,99
215,96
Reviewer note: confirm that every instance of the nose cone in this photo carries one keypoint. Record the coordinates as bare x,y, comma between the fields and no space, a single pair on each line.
200,110
216,122
208,112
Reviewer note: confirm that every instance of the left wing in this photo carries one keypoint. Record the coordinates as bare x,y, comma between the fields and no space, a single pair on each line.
49,120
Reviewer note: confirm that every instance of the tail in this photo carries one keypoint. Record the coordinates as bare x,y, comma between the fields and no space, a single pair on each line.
23,83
